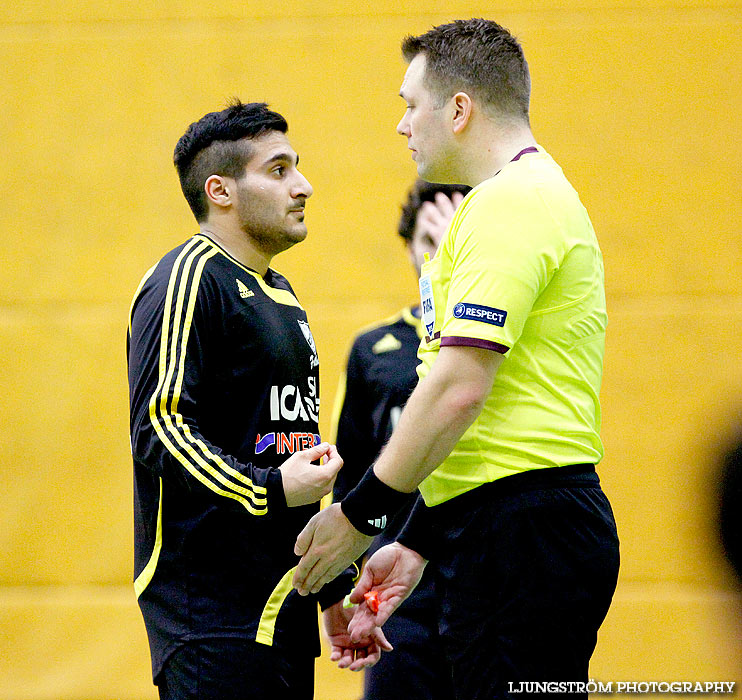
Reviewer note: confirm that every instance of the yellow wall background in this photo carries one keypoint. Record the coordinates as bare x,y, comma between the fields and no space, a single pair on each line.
639,101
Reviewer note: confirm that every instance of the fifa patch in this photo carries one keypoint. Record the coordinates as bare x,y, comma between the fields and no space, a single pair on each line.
477,312
427,304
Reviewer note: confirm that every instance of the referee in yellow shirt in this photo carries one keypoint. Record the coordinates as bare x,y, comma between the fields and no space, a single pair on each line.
502,433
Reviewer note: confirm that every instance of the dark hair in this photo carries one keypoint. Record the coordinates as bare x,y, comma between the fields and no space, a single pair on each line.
420,193
477,56
216,145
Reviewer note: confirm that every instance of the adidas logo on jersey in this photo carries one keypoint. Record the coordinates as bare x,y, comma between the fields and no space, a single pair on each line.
387,344
379,523
243,290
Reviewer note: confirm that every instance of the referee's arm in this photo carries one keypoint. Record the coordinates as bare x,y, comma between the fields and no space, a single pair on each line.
441,408
444,404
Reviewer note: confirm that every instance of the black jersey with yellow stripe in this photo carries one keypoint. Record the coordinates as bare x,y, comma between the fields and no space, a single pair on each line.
224,387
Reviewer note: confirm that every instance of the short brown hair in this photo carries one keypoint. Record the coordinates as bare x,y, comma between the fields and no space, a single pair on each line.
478,56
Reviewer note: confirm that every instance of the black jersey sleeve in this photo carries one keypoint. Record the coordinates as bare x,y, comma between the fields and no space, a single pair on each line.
171,324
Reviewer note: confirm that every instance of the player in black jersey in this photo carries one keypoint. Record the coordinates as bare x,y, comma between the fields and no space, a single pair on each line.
379,379
224,389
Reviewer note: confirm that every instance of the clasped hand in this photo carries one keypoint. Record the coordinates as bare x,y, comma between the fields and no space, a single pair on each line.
354,654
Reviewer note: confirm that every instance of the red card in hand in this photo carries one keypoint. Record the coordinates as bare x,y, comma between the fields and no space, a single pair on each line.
372,600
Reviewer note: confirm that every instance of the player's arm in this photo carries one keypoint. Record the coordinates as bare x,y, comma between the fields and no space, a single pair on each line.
441,408
168,346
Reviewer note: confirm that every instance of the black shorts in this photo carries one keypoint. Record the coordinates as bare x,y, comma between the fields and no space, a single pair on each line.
526,573
235,669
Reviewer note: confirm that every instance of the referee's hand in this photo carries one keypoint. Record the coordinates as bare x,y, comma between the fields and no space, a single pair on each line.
393,572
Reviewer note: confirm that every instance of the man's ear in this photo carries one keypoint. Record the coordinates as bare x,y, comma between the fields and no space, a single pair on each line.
462,111
218,191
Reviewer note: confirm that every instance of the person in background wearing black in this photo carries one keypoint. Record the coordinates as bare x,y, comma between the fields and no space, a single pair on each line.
380,376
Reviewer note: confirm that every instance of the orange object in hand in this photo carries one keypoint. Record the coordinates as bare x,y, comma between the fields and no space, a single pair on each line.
372,600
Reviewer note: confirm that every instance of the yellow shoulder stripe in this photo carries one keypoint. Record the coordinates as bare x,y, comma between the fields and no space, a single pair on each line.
405,315
412,320
280,296
390,320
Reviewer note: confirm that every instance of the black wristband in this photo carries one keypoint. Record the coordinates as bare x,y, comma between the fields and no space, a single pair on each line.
371,504
420,531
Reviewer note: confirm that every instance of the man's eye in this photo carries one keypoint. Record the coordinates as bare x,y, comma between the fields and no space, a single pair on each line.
280,170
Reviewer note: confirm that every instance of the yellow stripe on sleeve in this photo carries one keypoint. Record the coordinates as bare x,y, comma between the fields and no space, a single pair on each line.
179,387
184,451
142,581
267,625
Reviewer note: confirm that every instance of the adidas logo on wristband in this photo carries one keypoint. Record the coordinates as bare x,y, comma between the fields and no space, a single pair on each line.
379,523
371,495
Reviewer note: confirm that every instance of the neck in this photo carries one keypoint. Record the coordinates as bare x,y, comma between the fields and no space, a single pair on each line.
238,244
503,144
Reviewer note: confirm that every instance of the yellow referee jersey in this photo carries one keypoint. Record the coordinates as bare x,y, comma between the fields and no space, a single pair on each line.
520,272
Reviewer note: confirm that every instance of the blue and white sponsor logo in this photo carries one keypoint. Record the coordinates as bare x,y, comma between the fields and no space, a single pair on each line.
477,312
286,443
264,442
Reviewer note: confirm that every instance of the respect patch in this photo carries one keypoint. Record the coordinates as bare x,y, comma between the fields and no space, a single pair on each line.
477,312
